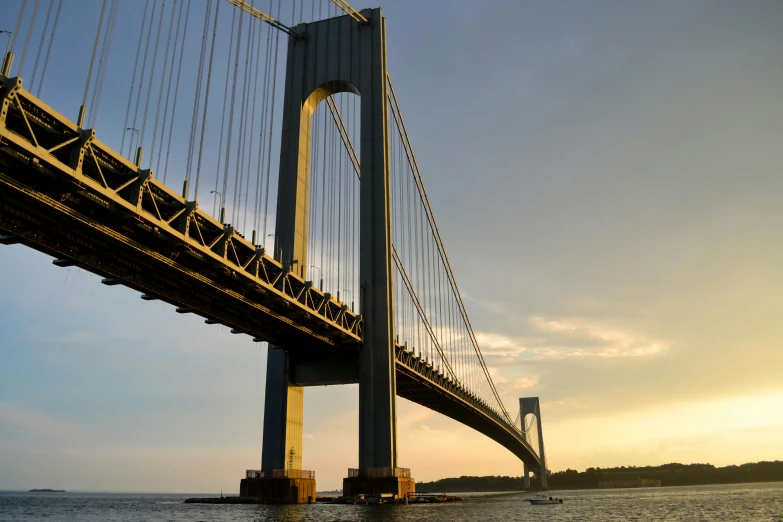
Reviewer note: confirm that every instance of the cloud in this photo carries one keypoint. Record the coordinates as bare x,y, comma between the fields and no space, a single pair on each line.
523,383
498,345
571,338
582,338
25,425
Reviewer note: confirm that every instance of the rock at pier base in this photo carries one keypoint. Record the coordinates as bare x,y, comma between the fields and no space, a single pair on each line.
278,490
396,487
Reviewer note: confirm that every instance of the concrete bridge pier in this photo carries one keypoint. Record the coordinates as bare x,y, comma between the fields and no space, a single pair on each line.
281,479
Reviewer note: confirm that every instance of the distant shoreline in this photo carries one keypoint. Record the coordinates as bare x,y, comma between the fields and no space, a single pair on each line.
669,475
46,490
534,490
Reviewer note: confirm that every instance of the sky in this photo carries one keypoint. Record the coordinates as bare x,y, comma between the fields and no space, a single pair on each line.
606,177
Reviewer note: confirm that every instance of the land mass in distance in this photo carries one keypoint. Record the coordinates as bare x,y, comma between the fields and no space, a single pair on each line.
669,475
47,491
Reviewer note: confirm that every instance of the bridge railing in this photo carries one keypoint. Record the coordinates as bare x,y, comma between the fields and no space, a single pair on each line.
379,472
281,473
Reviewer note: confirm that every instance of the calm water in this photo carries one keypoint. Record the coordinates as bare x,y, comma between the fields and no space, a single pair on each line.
763,502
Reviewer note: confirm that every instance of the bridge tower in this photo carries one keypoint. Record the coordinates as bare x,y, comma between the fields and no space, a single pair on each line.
531,405
325,58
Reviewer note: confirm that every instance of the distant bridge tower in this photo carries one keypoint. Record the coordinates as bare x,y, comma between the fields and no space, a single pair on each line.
328,57
531,405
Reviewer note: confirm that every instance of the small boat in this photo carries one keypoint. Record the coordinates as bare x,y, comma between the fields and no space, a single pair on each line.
542,499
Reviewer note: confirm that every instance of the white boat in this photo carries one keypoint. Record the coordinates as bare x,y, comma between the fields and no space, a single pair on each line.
542,499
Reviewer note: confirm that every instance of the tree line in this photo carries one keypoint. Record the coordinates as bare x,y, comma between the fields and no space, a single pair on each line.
673,474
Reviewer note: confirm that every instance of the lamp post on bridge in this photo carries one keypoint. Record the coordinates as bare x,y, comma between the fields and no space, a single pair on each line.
274,250
137,138
321,286
6,59
349,292
222,205
9,33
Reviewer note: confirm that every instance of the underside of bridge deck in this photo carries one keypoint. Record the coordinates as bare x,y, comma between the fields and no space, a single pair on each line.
67,195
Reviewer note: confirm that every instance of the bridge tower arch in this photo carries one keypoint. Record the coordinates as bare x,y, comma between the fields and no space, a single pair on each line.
327,57
532,406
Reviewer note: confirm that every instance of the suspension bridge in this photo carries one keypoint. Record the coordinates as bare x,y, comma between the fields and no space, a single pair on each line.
356,287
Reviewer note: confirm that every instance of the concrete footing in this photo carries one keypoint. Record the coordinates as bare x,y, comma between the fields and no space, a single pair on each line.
397,487
279,490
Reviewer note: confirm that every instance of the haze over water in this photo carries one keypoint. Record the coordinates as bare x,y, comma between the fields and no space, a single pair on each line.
747,502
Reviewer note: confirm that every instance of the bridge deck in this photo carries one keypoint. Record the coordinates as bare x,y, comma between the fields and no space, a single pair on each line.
68,195
65,193
418,382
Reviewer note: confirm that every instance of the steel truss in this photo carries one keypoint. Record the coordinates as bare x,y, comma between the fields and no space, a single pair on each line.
66,194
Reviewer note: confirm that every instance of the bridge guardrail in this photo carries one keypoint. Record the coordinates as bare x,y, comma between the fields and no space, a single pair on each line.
379,472
281,473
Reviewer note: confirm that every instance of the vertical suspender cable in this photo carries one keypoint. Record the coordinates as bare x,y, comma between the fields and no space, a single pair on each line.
251,134
103,63
206,99
271,119
333,188
354,252
176,90
94,50
17,27
29,34
312,211
339,214
168,86
197,97
247,143
34,76
152,75
49,48
240,159
133,77
329,206
223,121
262,128
143,70
231,112
164,74
323,200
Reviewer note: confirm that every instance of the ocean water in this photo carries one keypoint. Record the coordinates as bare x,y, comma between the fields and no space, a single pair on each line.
752,502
